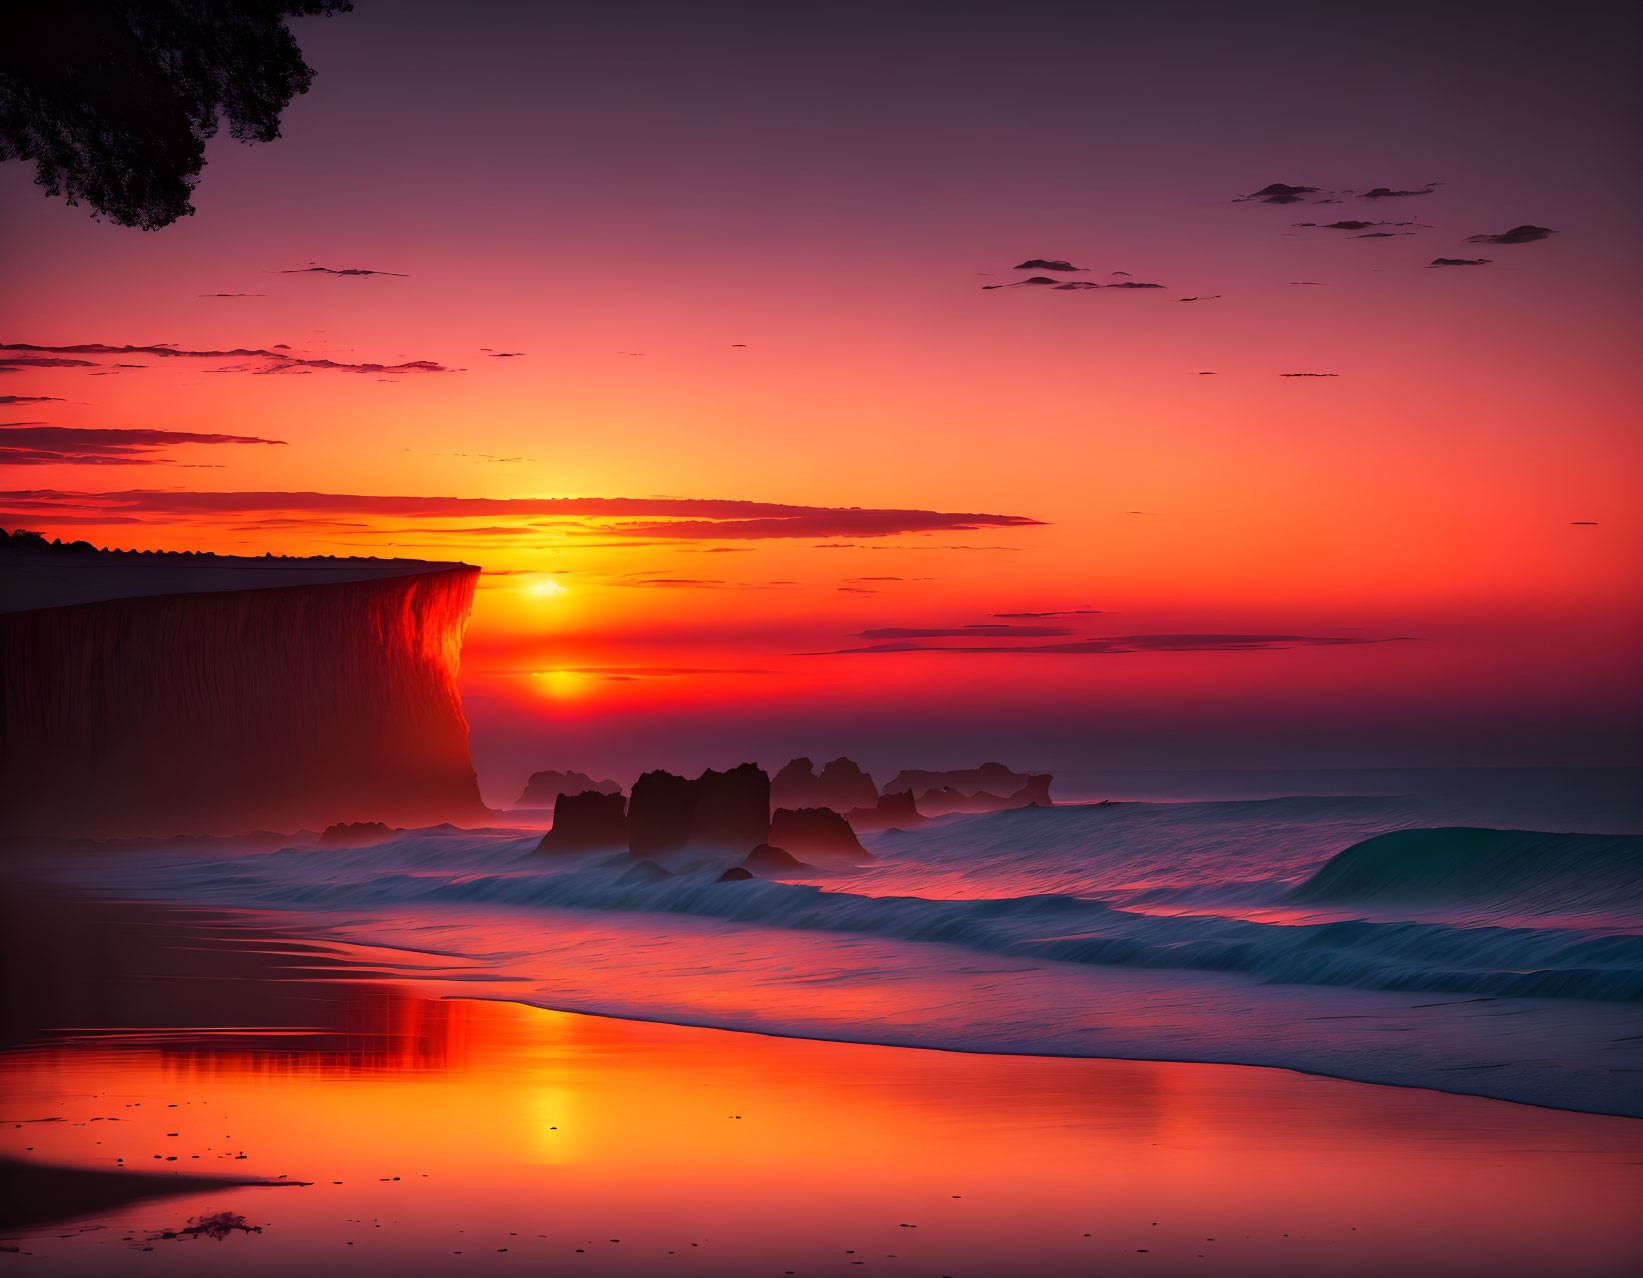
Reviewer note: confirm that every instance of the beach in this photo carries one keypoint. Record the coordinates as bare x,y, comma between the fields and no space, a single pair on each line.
436,1128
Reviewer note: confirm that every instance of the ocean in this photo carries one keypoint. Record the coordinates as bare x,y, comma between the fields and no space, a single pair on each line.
1472,931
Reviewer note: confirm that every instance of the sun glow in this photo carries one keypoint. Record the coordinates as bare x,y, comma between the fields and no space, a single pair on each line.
562,685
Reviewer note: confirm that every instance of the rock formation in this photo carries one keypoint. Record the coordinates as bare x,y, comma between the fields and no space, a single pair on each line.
1035,792
892,811
544,788
990,788
816,832
158,694
773,863
993,778
734,874
591,821
719,811
841,786
355,834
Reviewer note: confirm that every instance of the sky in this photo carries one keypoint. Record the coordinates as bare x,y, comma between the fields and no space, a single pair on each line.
700,329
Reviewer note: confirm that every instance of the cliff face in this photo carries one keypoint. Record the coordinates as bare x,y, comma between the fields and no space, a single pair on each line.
236,709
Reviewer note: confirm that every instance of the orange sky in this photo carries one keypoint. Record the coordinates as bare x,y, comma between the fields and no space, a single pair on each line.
731,279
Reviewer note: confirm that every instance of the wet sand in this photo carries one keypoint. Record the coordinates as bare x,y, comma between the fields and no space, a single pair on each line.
444,1132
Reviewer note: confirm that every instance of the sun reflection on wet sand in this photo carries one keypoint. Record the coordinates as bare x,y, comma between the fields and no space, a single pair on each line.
431,1127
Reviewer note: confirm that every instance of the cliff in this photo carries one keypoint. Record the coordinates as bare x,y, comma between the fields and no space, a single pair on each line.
173,694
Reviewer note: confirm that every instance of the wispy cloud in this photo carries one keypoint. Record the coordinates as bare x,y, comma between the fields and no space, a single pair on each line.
1517,235
346,270
962,632
627,517
277,359
1120,644
34,444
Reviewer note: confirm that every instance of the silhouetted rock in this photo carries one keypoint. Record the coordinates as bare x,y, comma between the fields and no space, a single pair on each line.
990,788
815,832
726,811
897,811
732,808
660,811
591,821
794,786
355,834
994,778
734,874
845,786
544,788
772,862
1035,793
841,786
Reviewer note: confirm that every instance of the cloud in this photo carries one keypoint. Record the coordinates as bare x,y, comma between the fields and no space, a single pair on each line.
30,399
677,583
1353,224
692,519
1387,193
1043,281
1308,374
1583,523
1070,612
33,444
1458,261
1042,264
1210,297
274,360
233,294
964,632
346,270
23,363
1119,644
1525,234
504,354
1278,193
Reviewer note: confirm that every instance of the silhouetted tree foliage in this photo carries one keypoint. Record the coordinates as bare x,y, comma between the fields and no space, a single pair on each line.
114,99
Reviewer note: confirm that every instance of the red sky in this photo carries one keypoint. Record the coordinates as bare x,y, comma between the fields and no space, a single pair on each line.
741,256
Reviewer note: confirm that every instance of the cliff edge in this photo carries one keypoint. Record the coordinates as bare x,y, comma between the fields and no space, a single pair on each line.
161,694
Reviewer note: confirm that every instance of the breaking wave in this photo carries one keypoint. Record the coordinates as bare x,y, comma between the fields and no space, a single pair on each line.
456,869
1549,873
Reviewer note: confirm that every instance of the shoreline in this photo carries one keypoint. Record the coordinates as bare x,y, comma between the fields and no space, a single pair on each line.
439,1128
